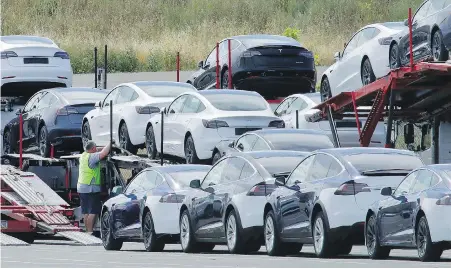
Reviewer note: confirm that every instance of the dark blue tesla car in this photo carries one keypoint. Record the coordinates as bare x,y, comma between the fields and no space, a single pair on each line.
51,117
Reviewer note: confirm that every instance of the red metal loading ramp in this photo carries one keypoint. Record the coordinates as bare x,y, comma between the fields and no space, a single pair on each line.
418,93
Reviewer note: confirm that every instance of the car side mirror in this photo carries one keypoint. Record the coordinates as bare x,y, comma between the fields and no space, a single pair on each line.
200,64
240,147
195,184
387,191
409,137
406,22
117,190
97,104
337,56
232,144
280,180
18,111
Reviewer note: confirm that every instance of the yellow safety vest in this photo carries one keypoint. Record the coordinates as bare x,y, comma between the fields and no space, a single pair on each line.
85,174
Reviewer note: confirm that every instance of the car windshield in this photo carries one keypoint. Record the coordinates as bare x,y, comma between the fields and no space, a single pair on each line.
280,165
299,142
78,97
394,25
183,178
237,102
165,90
315,98
370,163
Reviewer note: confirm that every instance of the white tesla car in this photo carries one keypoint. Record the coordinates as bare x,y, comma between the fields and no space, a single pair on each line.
347,128
195,122
364,59
32,63
133,104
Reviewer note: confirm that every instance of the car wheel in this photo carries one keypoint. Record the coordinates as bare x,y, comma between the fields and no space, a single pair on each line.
325,90
8,146
106,234
190,151
225,79
367,73
124,139
44,145
151,146
324,248
235,242
372,241
85,134
272,240
187,240
427,251
151,242
439,52
216,157
394,56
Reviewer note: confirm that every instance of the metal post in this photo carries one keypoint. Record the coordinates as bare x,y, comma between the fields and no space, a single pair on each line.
389,120
95,67
297,119
178,67
105,67
230,64
52,150
217,66
162,137
20,139
357,120
410,39
111,126
333,127
435,140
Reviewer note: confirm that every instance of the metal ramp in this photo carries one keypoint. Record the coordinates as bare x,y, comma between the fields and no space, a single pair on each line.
82,238
7,240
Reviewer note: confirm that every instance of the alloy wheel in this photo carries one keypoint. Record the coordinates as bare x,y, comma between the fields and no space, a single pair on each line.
189,151
394,63
148,230
422,238
43,141
149,141
123,137
371,236
184,231
318,235
366,73
436,46
269,234
231,231
325,90
225,80
6,142
105,227
86,133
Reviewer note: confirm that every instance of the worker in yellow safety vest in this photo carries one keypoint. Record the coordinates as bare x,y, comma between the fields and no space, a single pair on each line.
89,183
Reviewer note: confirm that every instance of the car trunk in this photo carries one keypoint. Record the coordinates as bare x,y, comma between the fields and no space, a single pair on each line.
375,184
279,56
35,56
238,125
78,111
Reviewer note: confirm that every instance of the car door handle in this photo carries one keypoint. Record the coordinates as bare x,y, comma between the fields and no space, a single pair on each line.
278,197
194,198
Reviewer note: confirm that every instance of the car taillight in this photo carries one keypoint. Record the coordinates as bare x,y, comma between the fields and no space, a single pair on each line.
250,53
214,124
277,124
172,198
445,200
306,53
385,40
261,189
61,54
8,54
350,188
145,109
66,111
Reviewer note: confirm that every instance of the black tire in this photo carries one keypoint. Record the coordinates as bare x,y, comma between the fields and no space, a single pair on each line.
324,247
26,237
393,57
8,142
85,133
372,241
151,146
325,90
234,238
106,233
439,52
427,251
124,139
225,79
273,244
190,151
151,241
43,141
366,73
292,248
216,157
187,239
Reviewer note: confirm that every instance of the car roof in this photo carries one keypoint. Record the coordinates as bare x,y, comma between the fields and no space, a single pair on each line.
364,150
439,167
276,153
78,89
161,83
26,39
180,168
227,91
250,41
264,132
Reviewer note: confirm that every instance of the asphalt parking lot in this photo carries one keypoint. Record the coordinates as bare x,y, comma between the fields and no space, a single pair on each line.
45,254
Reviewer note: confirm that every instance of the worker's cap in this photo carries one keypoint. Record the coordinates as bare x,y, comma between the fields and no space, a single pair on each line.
90,145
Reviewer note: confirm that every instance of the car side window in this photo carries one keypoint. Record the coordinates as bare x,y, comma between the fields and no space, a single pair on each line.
422,12
260,144
233,171
282,108
334,169
320,167
211,59
436,5
247,171
352,44
149,181
111,97
214,175
32,103
125,95
297,104
136,184
447,3
46,100
422,181
366,35
404,187
300,173
191,105
177,105
246,142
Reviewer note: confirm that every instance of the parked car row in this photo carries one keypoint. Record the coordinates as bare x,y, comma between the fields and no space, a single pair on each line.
333,198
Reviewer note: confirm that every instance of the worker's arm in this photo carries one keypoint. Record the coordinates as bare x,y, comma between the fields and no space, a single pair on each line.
104,152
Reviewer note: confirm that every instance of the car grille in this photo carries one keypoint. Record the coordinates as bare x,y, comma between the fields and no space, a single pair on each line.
240,131
36,60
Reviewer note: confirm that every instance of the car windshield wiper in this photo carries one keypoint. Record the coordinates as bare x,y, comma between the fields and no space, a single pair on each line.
386,172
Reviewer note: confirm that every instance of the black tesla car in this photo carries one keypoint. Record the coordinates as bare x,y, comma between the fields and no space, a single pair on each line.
274,139
417,214
431,34
274,66
51,117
